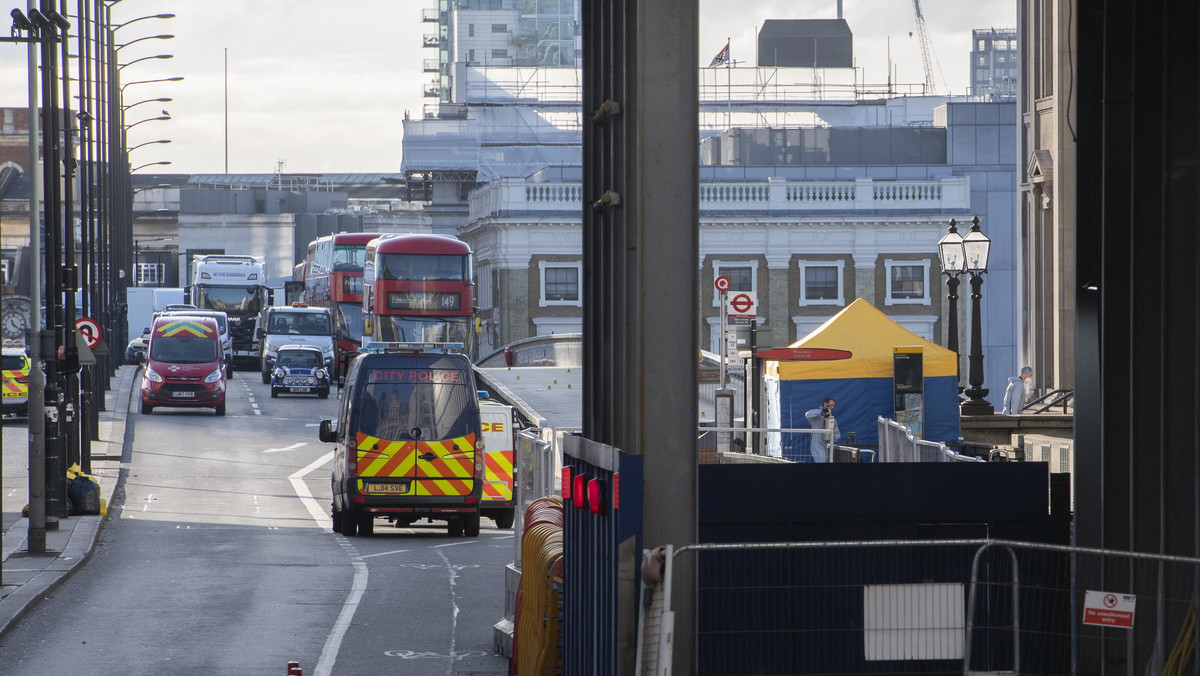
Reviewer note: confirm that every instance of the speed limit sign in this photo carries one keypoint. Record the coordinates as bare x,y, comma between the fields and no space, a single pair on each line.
722,283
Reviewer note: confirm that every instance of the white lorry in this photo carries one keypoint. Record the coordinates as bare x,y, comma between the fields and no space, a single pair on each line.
235,285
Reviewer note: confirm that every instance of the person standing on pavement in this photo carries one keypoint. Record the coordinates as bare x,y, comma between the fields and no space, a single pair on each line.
822,419
1017,393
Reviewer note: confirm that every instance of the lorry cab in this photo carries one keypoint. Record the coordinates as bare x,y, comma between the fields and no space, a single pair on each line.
408,440
184,365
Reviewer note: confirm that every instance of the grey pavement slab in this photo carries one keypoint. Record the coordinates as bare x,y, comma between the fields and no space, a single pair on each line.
25,577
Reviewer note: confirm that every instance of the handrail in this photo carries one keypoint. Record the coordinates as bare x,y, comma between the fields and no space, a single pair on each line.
1062,396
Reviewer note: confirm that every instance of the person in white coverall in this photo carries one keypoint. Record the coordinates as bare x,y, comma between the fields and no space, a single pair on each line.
1016,395
822,419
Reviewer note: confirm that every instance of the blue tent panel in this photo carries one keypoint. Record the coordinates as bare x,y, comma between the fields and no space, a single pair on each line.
860,401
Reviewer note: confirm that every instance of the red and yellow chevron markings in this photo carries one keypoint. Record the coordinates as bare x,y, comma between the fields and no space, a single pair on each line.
499,476
184,326
449,472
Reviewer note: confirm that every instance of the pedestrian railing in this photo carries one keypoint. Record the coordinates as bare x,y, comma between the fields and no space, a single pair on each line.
1064,398
925,607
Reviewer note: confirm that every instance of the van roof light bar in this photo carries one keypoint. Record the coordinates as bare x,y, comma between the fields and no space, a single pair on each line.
376,346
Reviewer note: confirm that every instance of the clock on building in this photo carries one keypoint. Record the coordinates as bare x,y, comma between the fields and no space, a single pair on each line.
14,318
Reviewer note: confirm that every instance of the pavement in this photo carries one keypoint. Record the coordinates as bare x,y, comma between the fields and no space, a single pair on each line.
26,578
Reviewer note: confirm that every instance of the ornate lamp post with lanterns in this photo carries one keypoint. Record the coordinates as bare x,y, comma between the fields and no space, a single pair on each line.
954,264
976,247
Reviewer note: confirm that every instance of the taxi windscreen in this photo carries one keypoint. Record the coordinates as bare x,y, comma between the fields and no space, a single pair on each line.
428,404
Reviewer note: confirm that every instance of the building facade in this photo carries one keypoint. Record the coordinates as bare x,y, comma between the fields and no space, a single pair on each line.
810,199
995,62
805,238
1048,115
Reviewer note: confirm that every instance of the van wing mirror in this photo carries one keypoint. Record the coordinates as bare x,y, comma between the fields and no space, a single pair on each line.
326,432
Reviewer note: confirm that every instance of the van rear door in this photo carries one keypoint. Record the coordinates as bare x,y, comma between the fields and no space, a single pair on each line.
416,432
496,421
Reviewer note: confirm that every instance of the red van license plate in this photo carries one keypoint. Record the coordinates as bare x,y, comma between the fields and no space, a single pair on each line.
187,395
387,488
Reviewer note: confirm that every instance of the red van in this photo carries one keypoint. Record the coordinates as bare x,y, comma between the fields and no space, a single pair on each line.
183,364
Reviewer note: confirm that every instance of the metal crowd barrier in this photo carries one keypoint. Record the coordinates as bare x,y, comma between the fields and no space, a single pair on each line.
898,444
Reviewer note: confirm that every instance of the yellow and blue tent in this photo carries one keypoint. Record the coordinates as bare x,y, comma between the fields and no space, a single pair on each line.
862,384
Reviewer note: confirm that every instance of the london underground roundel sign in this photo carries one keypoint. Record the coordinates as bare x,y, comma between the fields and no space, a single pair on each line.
742,304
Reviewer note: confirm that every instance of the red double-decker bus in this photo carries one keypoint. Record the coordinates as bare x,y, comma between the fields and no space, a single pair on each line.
333,271
418,288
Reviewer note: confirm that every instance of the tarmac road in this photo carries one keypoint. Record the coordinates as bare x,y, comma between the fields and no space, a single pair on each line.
216,557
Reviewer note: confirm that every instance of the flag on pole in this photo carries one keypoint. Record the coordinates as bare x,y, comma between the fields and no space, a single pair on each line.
722,56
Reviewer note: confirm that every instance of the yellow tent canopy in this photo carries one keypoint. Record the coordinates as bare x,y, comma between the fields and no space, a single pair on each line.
870,336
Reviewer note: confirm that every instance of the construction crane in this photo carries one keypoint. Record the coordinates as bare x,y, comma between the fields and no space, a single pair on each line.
927,53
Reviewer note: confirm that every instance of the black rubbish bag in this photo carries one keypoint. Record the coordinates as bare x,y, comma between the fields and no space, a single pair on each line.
84,495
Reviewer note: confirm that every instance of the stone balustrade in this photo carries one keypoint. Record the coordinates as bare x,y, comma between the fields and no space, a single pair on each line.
508,197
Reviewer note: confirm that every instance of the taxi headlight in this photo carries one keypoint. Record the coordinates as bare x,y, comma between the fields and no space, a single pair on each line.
152,376
213,377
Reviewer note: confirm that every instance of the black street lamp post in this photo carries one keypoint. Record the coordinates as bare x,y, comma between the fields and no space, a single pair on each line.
954,264
976,246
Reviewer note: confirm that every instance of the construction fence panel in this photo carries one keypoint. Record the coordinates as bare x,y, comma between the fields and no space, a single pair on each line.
602,530
1095,611
934,607
885,607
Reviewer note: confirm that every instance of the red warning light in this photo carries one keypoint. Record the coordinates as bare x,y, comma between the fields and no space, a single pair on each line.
579,492
595,497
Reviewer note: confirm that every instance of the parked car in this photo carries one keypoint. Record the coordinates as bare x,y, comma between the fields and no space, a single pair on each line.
16,381
300,369
135,351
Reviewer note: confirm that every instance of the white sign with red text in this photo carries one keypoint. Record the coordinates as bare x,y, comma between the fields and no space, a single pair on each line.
1107,609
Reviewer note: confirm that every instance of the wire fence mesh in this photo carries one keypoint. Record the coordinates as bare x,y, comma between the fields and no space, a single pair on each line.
935,607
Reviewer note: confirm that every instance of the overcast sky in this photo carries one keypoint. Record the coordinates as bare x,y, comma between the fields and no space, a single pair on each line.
323,86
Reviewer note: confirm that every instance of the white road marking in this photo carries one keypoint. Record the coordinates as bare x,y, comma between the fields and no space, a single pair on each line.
318,513
293,447
395,551
451,544
333,642
453,600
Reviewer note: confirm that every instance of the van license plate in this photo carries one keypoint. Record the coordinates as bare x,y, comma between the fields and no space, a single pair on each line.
387,488
183,394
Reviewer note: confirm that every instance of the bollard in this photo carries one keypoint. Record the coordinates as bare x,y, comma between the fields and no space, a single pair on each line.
294,669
